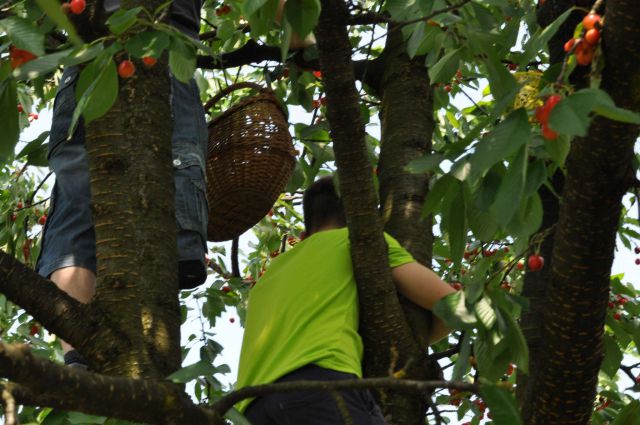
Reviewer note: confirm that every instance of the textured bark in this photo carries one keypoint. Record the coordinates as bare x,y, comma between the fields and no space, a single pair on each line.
149,401
387,339
132,190
535,283
406,117
599,171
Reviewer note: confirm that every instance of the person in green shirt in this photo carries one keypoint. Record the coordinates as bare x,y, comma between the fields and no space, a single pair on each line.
302,319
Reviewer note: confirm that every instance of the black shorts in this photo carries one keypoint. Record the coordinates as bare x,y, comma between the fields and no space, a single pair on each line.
314,408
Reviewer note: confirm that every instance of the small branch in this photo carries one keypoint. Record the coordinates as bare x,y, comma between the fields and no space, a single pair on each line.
37,381
369,18
235,266
433,14
408,386
10,412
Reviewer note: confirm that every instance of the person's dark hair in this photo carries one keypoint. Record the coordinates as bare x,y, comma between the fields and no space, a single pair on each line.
322,206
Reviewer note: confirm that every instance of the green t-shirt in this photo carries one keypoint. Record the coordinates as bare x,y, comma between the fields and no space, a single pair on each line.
304,310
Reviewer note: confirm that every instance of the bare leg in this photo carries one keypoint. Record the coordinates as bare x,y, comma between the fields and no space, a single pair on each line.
79,283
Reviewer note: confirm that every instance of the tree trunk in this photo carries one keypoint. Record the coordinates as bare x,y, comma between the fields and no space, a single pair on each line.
599,171
388,343
132,189
406,117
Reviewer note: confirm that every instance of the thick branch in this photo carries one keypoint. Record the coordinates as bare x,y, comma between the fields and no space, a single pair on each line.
57,311
44,383
400,385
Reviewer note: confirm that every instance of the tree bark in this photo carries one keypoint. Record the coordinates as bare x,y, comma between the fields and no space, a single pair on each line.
406,118
388,342
599,172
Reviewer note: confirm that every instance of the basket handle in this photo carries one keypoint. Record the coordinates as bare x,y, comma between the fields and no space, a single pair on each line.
229,89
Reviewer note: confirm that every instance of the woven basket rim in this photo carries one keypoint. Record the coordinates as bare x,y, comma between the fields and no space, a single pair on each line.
264,95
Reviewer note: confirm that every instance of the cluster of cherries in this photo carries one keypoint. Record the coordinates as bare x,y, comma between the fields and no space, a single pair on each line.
584,47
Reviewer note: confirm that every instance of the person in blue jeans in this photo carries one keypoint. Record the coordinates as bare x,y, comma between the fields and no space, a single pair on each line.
68,255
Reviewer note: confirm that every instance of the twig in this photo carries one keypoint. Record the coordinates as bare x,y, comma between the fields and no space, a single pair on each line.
410,386
342,407
235,266
436,413
10,412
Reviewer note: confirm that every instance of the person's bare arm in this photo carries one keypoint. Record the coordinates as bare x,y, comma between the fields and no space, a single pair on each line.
422,286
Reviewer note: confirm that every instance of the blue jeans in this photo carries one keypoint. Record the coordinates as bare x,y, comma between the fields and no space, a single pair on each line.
69,237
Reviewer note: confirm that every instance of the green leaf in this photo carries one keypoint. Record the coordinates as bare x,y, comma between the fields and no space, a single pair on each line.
540,39
485,313
105,93
517,343
40,66
572,115
558,149
424,164
612,356
445,68
455,224
528,219
607,108
453,310
36,151
122,20
511,134
148,43
504,86
24,34
52,9
302,15
492,361
188,373
251,6
629,415
462,363
8,119
510,193
502,405
424,39
536,175
83,54
436,193
182,60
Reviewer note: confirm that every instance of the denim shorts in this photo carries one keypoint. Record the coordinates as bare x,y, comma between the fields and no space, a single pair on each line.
69,238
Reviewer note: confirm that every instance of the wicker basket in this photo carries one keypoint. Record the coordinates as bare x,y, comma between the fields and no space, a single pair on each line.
250,159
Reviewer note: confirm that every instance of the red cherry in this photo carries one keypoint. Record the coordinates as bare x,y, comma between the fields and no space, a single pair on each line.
584,54
512,66
19,205
638,261
548,133
232,319
223,10
323,101
637,250
459,75
126,69
456,286
149,61
638,379
33,330
65,8
611,305
78,6
592,36
13,217
226,289
535,262
447,88
617,316
590,21
520,265
33,117
317,74
315,104
569,45
274,254
510,370
42,220
20,109
285,73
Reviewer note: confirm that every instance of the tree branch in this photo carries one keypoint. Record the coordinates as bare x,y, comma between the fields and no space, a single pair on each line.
408,386
56,310
40,382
